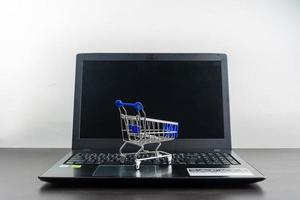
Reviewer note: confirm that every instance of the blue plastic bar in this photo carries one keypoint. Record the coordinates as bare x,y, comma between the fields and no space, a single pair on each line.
137,105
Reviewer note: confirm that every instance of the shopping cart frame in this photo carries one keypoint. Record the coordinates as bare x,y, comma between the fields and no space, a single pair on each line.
149,134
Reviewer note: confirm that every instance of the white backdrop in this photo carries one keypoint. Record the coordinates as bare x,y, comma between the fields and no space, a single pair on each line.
39,40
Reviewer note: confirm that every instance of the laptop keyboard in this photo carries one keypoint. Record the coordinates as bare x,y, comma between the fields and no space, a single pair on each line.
211,158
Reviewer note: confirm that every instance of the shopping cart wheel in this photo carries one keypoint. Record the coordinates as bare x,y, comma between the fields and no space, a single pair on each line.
170,159
137,164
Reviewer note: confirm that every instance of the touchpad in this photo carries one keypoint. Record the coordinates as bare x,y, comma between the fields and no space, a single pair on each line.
130,171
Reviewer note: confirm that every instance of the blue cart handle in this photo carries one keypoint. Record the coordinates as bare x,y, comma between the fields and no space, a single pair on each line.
137,105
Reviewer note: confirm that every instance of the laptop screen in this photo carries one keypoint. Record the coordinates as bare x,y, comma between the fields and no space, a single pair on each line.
187,92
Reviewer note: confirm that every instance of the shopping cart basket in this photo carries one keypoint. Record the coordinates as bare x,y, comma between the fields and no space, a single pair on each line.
139,130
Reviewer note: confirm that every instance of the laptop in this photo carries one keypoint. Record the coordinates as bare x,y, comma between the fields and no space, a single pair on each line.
188,90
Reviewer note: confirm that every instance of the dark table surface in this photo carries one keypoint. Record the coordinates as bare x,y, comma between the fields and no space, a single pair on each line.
19,169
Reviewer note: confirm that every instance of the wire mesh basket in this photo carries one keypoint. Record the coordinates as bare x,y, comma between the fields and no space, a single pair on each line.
139,130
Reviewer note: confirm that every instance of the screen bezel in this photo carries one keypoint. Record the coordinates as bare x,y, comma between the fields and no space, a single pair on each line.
104,144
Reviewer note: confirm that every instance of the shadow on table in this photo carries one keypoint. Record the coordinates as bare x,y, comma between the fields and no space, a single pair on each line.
150,191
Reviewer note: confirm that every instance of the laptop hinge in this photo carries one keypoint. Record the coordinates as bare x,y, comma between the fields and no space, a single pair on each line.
86,150
221,150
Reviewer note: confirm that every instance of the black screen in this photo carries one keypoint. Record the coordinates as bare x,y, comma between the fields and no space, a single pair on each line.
188,92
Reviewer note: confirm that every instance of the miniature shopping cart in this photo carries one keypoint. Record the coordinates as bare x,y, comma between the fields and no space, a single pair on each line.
139,130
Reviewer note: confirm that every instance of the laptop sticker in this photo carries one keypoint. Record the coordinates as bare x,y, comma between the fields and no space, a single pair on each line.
64,166
76,166
219,172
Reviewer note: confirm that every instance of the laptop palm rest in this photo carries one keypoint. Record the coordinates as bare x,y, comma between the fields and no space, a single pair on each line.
130,171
